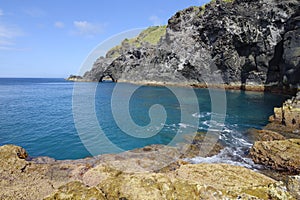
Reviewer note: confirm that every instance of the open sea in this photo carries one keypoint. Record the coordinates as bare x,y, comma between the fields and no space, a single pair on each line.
38,114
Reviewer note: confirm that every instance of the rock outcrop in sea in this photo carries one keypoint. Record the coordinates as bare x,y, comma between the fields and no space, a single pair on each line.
247,43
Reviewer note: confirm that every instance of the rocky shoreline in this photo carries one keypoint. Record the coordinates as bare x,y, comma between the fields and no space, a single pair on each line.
134,174
232,86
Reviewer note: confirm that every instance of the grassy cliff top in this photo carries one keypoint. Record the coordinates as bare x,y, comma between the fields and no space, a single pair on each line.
151,35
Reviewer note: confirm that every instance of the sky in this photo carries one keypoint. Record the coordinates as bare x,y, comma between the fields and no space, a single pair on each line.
53,38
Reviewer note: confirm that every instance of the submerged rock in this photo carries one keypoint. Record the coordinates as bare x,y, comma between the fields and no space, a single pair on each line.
282,155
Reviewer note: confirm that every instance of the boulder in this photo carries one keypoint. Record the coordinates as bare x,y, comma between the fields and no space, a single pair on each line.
282,155
12,159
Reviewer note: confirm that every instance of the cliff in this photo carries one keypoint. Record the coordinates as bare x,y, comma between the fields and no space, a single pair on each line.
246,42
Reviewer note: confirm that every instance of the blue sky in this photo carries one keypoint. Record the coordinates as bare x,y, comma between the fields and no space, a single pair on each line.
52,38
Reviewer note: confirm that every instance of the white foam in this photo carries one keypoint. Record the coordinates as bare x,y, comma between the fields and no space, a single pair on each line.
201,115
228,156
182,125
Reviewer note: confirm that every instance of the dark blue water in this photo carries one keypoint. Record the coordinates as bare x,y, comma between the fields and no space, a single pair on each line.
37,115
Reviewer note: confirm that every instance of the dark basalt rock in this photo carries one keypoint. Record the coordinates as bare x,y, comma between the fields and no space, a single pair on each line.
246,42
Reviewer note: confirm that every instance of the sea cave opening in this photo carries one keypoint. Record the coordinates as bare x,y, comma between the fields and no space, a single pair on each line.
107,78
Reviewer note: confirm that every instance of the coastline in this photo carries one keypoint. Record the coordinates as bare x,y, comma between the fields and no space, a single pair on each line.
234,86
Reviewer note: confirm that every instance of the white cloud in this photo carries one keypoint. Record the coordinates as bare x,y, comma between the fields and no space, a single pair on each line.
7,35
87,29
59,24
155,20
5,44
9,31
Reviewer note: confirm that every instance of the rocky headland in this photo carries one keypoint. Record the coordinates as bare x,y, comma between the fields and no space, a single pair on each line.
250,44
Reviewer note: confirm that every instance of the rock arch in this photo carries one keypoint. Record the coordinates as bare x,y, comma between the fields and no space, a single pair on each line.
109,76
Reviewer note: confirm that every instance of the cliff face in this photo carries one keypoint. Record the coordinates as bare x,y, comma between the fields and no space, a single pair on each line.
247,42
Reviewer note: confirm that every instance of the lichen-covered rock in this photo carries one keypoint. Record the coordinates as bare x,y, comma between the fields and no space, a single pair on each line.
12,158
223,177
293,186
148,186
282,155
22,179
77,191
201,181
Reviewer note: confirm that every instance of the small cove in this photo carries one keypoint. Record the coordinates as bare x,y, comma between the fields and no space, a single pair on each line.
37,115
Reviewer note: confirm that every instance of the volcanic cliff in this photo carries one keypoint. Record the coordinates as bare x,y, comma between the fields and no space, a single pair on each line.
245,42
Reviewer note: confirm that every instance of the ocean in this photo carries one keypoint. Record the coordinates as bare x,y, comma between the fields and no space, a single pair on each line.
43,116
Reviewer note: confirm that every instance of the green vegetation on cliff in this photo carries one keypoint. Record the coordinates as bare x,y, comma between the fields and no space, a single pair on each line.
151,36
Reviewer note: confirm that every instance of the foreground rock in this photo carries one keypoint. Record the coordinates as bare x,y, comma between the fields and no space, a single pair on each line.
20,179
202,181
281,155
97,178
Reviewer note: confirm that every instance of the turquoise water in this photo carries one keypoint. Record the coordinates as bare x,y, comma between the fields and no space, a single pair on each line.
37,115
